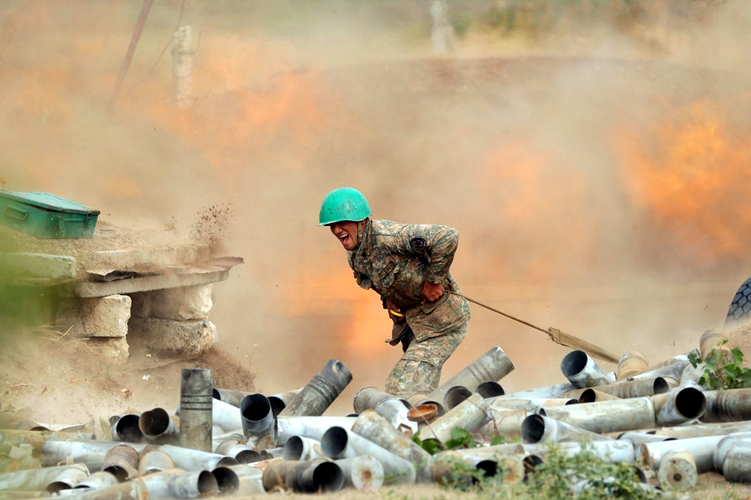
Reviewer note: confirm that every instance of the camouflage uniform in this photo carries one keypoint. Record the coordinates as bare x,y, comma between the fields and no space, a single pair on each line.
395,260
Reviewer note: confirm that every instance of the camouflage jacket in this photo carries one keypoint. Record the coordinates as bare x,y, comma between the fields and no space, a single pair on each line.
396,259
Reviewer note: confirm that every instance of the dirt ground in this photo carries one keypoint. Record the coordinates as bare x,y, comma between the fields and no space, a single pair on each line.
55,380
532,155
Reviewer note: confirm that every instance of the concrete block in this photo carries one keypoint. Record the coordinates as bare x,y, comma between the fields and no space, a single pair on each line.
96,317
180,304
37,265
170,338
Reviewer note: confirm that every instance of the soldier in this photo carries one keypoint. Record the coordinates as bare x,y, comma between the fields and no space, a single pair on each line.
408,266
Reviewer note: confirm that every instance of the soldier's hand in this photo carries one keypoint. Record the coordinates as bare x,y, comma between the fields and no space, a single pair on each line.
395,313
431,291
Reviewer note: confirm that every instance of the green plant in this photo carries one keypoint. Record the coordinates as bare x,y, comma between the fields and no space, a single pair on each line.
498,439
722,369
585,477
460,438
460,475
432,446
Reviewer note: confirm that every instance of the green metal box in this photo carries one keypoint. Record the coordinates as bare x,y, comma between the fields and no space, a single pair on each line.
45,215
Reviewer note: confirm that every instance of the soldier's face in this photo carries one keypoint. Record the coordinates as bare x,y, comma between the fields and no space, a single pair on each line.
346,233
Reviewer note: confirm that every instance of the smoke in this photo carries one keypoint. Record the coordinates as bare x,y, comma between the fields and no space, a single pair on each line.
561,159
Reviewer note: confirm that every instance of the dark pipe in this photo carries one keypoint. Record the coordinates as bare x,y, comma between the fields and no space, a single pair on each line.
490,389
196,409
126,429
228,396
315,397
257,416
226,480
455,395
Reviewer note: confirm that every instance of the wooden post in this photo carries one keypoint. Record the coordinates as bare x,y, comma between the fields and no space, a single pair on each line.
131,50
182,67
442,33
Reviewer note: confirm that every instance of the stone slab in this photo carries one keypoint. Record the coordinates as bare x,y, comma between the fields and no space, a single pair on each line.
179,278
149,258
20,266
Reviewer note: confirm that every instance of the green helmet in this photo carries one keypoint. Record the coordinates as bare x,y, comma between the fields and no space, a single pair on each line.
343,204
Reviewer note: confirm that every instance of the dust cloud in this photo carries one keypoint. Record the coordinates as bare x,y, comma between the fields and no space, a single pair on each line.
597,170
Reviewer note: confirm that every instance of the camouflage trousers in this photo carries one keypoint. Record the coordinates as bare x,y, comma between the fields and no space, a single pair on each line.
419,369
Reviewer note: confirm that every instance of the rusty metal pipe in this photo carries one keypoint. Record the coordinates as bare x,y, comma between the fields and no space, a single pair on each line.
529,404
66,480
377,429
490,389
613,451
189,459
35,479
633,388
369,398
228,396
540,429
257,417
227,481
338,442
196,398
504,422
122,462
154,461
302,476
590,395
701,430
630,364
713,339
582,371
302,448
548,392
679,405
158,427
637,438
280,400
390,407
511,465
309,427
177,483
471,414
362,473
421,399
672,368
126,429
318,394
89,453
701,448
729,405
725,444
226,416
491,366
678,470
249,478
737,464
455,395
618,415
99,479
238,450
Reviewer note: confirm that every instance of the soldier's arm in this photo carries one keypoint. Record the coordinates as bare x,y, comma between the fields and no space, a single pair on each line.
438,243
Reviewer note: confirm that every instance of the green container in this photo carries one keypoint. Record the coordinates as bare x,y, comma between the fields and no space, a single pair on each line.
45,215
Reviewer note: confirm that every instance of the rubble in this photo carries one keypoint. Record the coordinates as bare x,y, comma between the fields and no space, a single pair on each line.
241,444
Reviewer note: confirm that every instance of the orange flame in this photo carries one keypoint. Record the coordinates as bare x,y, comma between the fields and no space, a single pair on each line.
692,180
